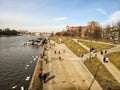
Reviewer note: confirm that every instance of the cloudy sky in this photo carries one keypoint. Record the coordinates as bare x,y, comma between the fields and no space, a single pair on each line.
54,15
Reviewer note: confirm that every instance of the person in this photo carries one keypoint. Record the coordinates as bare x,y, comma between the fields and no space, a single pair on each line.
106,60
45,76
105,51
55,52
46,59
43,53
82,55
101,52
40,75
59,57
59,52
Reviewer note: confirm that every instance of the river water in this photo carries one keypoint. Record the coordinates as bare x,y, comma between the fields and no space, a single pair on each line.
16,62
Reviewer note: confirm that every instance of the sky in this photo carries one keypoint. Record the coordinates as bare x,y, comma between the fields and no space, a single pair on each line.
55,15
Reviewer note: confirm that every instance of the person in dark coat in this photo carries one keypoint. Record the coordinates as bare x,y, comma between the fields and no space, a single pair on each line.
45,76
40,75
105,51
101,52
104,59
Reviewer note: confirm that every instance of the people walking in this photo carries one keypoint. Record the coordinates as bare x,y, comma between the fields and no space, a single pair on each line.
58,52
101,52
105,51
40,75
60,58
45,76
55,52
46,60
104,59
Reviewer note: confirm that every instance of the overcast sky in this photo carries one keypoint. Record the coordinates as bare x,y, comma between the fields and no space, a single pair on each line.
54,15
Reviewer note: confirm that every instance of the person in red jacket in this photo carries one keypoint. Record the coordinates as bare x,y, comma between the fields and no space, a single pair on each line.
40,75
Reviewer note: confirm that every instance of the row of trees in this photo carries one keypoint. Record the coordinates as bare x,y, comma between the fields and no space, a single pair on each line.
7,31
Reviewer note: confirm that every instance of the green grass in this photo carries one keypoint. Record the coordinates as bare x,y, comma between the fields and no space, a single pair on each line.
115,59
101,74
97,46
76,48
55,38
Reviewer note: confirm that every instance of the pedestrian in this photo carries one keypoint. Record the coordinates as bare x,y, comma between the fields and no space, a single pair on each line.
40,75
82,55
104,59
58,52
55,52
46,60
59,57
45,76
105,51
101,52
43,53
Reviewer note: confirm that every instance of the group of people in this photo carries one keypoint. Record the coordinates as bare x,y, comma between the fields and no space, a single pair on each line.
105,59
42,76
103,52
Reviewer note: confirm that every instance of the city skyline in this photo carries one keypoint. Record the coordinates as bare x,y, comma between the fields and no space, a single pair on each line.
54,15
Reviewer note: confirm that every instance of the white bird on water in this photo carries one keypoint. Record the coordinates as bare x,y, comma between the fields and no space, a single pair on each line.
27,78
22,88
14,87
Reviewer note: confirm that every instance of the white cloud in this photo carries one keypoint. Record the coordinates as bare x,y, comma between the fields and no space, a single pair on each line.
60,18
101,11
114,18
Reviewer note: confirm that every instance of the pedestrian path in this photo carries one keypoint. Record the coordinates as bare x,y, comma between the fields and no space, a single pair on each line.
68,73
111,68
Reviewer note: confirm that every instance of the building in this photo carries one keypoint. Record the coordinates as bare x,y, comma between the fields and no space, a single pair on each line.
92,25
23,32
81,29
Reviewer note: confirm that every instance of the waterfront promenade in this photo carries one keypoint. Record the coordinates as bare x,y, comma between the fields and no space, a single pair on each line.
67,72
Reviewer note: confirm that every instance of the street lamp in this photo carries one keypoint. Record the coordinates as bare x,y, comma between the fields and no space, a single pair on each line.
90,43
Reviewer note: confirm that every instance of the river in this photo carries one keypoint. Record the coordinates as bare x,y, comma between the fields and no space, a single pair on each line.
16,62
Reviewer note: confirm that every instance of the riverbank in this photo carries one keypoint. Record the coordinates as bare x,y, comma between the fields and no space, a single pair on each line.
35,83
66,71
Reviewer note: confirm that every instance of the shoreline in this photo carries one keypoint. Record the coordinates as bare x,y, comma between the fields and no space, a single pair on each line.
32,85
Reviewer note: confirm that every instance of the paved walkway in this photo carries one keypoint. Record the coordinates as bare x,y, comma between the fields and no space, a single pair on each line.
69,73
111,68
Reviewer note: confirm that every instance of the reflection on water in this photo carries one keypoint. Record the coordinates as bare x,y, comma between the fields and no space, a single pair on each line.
16,62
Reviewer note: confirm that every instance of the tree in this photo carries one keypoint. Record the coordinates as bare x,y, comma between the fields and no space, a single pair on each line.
7,31
1,32
97,33
118,27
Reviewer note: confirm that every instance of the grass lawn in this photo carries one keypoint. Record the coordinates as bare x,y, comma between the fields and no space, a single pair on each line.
76,48
96,45
101,74
55,38
115,59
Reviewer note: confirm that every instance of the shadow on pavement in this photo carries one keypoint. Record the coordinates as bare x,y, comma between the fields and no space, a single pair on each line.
51,77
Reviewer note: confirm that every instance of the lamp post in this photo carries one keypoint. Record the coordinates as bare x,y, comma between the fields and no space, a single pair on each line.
90,43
